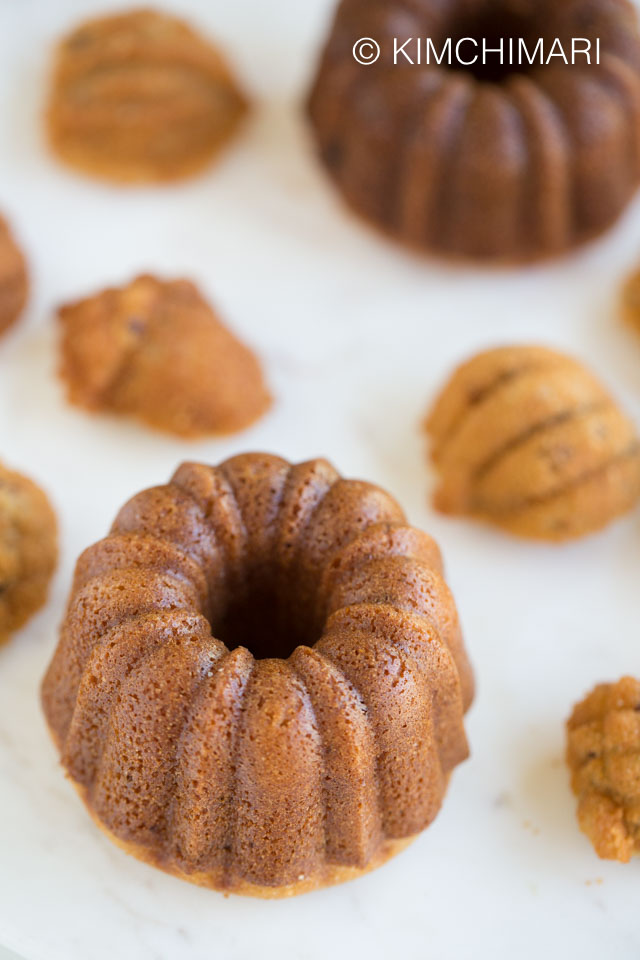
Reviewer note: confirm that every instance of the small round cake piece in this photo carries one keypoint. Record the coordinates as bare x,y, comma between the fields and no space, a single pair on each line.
260,680
490,161
630,301
603,753
156,350
527,438
14,282
28,550
141,97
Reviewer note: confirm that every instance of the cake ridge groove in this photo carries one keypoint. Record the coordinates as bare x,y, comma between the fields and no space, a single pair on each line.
80,650
618,75
206,681
347,689
82,576
291,665
394,766
458,746
235,561
157,773
316,504
547,140
119,635
224,678
451,129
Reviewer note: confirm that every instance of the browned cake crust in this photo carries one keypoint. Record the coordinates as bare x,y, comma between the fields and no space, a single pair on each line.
28,550
603,753
527,438
260,681
156,350
139,97
509,168
14,282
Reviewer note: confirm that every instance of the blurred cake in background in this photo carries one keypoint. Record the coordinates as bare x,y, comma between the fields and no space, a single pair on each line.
139,97
630,300
603,753
527,438
493,162
28,549
14,282
156,350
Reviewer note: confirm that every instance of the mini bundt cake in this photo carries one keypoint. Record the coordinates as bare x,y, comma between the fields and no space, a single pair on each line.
140,97
260,681
28,550
484,161
527,438
14,283
603,753
156,350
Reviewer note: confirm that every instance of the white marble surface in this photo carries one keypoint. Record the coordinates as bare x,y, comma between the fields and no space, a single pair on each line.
356,337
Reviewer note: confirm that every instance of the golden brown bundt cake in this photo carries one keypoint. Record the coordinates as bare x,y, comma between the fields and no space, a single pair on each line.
260,681
527,438
139,97
603,753
28,550
156,350
493,163
14,282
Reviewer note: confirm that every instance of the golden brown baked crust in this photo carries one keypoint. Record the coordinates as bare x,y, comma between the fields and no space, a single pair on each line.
331,874
603,753
527,438
14,283
140,97
28,549
630,301
260,681
515,167
156,350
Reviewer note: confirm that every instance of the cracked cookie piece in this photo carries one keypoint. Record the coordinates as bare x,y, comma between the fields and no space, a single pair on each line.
14,281
28,549
156,350
141,97
603,753
527,438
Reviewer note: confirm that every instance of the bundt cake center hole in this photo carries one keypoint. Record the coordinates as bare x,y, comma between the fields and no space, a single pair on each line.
488,44
263,622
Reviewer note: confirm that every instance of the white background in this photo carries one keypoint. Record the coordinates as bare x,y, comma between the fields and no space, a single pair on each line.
356,337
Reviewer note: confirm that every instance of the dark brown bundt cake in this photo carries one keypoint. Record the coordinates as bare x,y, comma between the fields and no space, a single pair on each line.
516,163
260,681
